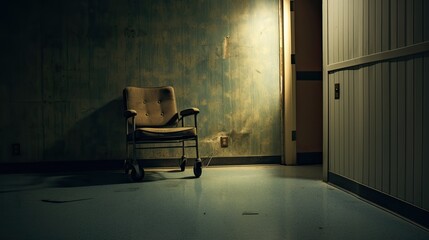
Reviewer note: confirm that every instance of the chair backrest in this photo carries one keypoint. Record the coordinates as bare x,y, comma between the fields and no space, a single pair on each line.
155,106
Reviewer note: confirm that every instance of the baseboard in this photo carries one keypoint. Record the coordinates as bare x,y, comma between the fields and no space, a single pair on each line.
71,166
306,158
397,206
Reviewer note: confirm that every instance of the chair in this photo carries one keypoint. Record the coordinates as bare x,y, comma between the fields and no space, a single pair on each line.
151,118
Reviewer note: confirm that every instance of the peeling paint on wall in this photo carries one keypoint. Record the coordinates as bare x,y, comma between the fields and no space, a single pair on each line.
225,52
75,57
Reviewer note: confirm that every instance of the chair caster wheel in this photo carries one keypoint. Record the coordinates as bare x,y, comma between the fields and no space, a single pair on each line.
135,175
132,172
198,170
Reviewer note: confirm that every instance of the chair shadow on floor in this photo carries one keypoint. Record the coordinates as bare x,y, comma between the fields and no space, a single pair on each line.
87,179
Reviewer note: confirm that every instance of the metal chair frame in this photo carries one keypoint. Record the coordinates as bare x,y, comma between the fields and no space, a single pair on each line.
133,167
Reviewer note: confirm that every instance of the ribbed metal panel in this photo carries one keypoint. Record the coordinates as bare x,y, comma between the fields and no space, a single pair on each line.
378,130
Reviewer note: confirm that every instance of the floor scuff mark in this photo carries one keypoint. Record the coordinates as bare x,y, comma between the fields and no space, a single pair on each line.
249,213
66,201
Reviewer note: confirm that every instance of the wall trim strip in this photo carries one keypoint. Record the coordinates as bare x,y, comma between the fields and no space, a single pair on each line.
382,56
404,209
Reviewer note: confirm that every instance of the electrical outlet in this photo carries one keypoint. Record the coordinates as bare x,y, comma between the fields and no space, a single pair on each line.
224,142
16,149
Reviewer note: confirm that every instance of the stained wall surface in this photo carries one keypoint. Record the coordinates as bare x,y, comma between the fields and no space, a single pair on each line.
377,51
65,63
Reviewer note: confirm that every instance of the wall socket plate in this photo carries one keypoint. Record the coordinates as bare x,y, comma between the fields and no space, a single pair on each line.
224,142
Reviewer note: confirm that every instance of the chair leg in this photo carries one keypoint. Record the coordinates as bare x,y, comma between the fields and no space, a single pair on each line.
134,170
183,162
198,166
127,161
183,159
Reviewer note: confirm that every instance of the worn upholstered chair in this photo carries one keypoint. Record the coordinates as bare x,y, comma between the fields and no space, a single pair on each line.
152,118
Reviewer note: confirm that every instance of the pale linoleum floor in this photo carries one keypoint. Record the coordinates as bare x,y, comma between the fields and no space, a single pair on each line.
231,202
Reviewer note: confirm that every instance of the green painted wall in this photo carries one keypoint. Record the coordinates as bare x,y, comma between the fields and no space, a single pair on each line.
65,63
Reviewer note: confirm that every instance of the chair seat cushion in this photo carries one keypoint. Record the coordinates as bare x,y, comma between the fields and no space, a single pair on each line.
161,134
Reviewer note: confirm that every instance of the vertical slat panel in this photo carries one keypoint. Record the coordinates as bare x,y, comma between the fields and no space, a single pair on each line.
394,101
385,22
426,20
346,29
336,30
352,134
365,29
346,123
418,128
330,32
331,140
394,128
341,31
357,28
409,170
371,26
386,126
385,45
409,28
351,29
409,150
359,125
393,24
366,127
378,126
401,23
425,163
378,29
332,122
418,21
372,126
401,128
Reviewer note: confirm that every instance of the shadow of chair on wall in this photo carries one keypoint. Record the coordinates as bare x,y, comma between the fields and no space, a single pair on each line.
96,138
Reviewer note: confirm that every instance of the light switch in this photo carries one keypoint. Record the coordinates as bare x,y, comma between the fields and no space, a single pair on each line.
337,91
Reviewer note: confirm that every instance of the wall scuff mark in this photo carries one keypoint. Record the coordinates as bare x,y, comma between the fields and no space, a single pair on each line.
225,53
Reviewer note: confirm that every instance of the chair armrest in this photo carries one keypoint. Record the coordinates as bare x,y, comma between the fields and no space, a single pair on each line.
130,113
189,111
